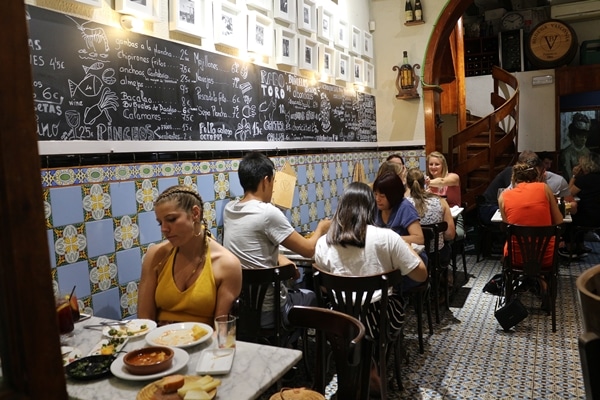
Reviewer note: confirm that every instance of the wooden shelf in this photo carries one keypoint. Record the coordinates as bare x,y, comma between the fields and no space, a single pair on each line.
407,95
414,23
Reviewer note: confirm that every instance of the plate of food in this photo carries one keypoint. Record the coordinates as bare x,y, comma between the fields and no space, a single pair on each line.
180,360
109,346
132,329
178,386
70,354
183,334
90,367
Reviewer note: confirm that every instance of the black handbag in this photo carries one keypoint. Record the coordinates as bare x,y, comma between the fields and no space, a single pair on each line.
511,314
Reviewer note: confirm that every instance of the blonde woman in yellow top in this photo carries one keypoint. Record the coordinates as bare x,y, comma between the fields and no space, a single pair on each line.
190,276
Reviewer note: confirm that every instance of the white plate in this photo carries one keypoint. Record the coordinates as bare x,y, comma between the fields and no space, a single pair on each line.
178,335
180,360
70,354
98,346
215,361
132,329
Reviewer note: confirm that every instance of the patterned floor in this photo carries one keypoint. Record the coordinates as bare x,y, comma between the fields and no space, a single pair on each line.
469,356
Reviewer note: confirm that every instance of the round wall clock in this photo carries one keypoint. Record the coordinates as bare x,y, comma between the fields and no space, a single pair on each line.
512,20
551,44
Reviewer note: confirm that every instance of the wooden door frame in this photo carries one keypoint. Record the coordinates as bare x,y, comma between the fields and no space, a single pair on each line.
439,40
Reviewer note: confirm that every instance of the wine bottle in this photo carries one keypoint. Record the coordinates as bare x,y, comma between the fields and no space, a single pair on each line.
418,11
409,15
406,73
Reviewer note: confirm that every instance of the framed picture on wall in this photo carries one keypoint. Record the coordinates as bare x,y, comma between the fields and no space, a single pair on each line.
260,33
286,47
358,70
145,9
228,22
190,17
307,16
367,45
325,27
342,34
356,43
285,10
579,135
308,54
343,67
327,60
369,74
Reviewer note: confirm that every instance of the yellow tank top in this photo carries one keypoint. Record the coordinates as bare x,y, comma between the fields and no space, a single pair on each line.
195,304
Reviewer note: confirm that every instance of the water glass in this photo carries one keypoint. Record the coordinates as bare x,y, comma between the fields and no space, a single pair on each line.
225,327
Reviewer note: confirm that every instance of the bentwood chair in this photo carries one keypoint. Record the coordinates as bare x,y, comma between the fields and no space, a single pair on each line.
351,353
438,271
256,283
357,296
527,247
420,295
589,353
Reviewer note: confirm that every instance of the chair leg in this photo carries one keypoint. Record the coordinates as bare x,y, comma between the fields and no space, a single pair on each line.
419,314
428,305
383,370
398,350
435,288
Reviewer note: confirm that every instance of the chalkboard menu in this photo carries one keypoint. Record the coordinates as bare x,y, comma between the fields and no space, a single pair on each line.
95,82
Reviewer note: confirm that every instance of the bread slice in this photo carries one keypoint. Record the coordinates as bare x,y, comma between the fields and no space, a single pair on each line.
170,384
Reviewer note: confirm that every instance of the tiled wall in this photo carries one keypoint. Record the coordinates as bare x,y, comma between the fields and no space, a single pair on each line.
100,219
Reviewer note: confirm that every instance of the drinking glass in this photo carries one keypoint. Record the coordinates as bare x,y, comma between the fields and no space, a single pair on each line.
225,326
64,315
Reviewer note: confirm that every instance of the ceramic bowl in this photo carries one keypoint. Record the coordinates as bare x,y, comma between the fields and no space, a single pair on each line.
149,360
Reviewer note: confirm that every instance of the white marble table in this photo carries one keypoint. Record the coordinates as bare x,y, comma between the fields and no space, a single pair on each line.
255,368
497,217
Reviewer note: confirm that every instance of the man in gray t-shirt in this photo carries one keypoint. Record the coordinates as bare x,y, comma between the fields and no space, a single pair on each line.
254,228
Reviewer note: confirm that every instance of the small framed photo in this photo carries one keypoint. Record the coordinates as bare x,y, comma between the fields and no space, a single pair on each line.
308,54
342,34
325,24
358,70
228,23
285,10
260,33
356,43
95,3
326,61
367,45
145,9
190,16
265,5
343,67
307,16
286,47
369,74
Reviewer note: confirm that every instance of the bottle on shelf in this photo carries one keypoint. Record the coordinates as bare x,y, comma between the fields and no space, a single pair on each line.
418,11
409,15
406,73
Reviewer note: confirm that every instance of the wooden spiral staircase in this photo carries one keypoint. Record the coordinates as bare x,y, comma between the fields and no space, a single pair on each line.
487,145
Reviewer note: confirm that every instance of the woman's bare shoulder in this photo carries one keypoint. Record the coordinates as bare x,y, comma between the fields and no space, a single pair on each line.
158,252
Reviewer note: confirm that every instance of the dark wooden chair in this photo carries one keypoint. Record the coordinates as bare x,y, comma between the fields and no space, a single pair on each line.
438,270
486,232
353,295
256,282
589,352
527,246
351,353
458,248
420,295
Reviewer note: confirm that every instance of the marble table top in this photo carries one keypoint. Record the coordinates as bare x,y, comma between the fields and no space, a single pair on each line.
255,368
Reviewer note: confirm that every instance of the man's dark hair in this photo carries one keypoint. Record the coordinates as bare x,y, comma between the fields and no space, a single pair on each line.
252,170
545,155
395,155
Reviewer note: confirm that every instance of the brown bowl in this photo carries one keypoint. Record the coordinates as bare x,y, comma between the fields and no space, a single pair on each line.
149,360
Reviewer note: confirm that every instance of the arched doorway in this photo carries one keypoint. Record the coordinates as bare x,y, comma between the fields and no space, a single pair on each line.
433,70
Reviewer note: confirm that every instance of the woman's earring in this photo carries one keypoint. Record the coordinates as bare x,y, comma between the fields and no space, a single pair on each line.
200,231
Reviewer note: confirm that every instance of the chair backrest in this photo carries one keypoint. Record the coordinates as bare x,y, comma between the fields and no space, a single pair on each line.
256,283
353,295
345,335
589,352
530,248
432,233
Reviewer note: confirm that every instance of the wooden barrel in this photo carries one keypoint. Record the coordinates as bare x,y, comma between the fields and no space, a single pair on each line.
551,44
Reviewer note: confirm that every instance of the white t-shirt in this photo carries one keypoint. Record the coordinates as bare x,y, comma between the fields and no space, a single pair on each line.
253,231
384,251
